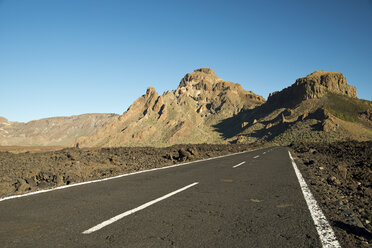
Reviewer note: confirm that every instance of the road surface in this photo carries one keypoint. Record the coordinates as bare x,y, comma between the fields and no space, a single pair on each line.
250,199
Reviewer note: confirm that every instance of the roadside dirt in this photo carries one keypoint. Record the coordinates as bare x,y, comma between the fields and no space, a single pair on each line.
339,175
32,171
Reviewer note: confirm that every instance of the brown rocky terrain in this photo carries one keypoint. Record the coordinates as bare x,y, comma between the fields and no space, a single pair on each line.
185,115
339,175
56,131
31,171
319,107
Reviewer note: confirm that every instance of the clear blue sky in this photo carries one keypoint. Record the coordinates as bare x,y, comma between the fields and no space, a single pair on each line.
65,57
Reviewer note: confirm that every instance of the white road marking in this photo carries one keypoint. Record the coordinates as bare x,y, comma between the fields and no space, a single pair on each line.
257,156
238,164
325,232
120,216
264,153
118,176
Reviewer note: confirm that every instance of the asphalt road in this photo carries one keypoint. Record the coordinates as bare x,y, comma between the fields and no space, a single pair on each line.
258,203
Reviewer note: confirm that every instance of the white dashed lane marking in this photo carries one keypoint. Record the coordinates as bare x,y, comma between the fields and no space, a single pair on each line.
238,164
129,212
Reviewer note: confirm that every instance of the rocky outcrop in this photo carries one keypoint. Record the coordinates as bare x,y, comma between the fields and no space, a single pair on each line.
61,131
319,107
314,86
184,115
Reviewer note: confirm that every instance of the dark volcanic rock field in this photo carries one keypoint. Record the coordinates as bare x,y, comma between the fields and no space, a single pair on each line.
339,175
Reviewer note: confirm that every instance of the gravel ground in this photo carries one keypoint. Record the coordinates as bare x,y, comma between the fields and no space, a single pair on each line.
339,175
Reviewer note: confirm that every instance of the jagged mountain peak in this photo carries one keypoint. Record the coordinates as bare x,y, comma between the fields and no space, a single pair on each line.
150,91
204,82
205,70
184,115
206,75
321,73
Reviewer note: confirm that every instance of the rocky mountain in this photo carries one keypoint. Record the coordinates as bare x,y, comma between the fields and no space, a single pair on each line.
207,109
56,131
318,107
187,114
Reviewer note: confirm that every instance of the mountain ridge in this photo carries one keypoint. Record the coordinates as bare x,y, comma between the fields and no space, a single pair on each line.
319,107
299,112
204,108
185,114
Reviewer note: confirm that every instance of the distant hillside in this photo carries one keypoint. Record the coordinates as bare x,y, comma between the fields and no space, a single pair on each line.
56,131
319,107
185,115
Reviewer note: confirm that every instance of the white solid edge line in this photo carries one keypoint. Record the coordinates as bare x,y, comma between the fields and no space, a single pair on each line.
257,156
143,206
118,176
325,232
238,164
